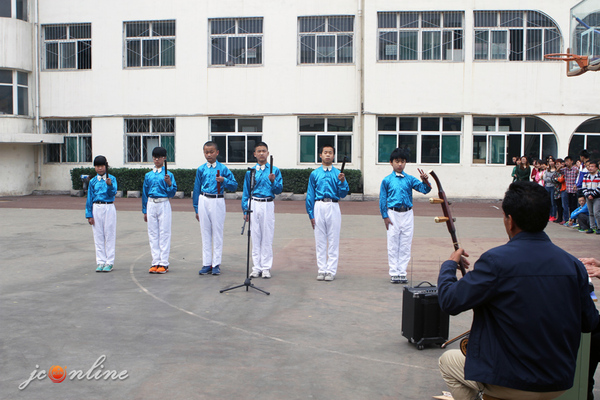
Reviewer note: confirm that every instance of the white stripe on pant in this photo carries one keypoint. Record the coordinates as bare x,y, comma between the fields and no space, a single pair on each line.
399,241
159,231
263,230
328,222
211,214
105,232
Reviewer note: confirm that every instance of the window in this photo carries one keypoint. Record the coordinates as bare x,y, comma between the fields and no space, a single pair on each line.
515,35
427,140
14,93
235,41
326,40
236,138
13,9
433,35
67,46
496,140
318,132
149,44
142,135
587,136
77,145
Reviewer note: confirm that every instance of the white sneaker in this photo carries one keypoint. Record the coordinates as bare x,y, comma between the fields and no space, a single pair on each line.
266,274
255,274
321,276
329,276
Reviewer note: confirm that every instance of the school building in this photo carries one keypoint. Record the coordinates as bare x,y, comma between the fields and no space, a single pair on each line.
463,85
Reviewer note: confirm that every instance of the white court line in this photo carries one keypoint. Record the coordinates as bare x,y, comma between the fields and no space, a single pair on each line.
261,335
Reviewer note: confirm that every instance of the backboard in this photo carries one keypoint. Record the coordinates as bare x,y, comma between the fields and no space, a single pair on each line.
585,35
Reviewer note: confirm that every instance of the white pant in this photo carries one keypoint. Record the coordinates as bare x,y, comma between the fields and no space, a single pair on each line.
399,240
263,230
211,214
159,231
328,222
105,232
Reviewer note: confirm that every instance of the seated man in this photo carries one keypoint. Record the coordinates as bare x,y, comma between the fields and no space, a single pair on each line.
530,302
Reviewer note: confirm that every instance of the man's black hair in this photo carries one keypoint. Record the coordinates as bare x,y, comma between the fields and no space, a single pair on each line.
261,144
584,153
210,143
399,154
529,205
159,152
568,158
326,145
595,163
100,160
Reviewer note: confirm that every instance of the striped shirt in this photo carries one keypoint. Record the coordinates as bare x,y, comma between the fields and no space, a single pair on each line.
591,185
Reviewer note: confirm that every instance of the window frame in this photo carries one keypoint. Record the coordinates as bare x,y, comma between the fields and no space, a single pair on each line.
144,139
224,151
420,135
144,43
457,33
80,139
19,91
79,62
525,135
229,37
326,133
586,130
326,32
18,9
527,51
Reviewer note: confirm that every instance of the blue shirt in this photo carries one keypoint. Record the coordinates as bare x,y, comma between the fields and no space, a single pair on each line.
98,190
206,181
396,191
324,184
156,187
263,186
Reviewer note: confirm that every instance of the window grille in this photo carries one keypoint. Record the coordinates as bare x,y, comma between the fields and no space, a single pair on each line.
236,41
142,135
77,144
67,46
149,44
326,40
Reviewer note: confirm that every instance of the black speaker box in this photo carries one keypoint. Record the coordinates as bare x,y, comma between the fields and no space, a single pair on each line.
423,321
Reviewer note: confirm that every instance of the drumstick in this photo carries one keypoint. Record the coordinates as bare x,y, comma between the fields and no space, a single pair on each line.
271,166
218,183
165,166
343,164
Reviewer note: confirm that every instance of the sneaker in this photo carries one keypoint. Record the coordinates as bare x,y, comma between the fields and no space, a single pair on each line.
329,276
597,231
205,270
216,270
403,279
561,223
321,276
589,231
395,279
100,268
552,219
582,230
153,269
162,269
255,274
107,268
266,274
575,226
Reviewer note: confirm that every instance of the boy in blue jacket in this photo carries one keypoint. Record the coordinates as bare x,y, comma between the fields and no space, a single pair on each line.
159,186
101,214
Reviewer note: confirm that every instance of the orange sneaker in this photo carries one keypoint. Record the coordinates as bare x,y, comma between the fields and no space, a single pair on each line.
162,270
153,269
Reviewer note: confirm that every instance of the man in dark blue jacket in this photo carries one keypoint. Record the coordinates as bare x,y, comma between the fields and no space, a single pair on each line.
530,302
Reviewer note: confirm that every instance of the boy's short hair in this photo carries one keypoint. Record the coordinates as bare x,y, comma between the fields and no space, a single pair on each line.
584,153
326,145
100,160
529,205
559,160
399,154
261,144
568,158
159,152
594,162
210,143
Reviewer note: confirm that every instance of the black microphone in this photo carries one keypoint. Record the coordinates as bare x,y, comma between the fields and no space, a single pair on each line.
252,179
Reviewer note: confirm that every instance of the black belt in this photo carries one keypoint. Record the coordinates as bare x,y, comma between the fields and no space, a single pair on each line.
262,199
212,196
400,209
103,202
328,200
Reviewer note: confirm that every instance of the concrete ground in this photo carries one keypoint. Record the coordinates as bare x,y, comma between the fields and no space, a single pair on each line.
177,337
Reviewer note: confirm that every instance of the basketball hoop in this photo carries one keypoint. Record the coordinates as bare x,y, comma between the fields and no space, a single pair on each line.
582,61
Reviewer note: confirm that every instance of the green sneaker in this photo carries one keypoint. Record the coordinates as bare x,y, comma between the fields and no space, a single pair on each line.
107,268
100,268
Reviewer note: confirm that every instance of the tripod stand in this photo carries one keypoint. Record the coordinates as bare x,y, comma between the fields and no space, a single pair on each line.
247,283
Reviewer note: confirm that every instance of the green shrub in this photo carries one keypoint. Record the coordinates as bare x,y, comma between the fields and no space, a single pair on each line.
294,180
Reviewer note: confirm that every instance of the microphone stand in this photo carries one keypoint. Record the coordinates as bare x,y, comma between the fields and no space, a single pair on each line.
247,283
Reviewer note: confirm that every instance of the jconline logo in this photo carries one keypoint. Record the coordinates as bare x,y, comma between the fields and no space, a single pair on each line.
58,374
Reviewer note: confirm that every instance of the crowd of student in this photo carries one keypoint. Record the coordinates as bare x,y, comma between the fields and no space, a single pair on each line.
574,188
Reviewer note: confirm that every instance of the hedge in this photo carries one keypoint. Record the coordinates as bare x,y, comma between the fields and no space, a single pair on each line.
294,180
